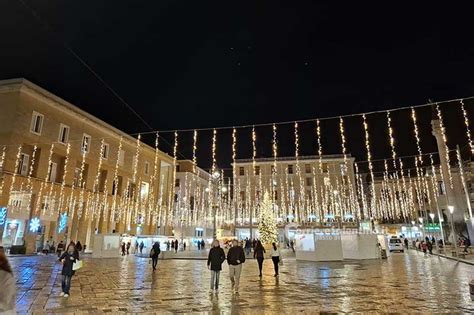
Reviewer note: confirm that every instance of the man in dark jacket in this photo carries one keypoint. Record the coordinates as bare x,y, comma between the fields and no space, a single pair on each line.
235,259
214,263
154,253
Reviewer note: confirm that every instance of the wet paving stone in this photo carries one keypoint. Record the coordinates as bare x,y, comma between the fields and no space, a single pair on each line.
404,283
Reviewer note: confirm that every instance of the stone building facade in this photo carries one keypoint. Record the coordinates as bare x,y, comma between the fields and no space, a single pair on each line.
67,175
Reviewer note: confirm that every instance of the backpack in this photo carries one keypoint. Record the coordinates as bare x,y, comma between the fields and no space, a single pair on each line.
152,252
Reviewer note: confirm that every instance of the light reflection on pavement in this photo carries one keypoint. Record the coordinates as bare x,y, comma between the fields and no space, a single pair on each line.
403,283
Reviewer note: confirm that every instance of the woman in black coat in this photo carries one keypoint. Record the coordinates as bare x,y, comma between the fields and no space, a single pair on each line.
68,258
214,263
258,252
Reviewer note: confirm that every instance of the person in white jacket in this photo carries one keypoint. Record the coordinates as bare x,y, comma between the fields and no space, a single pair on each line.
7,283
276,257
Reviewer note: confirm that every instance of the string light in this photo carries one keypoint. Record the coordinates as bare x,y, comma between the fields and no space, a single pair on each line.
29,186
463,182
369,161
2,161
300,204
273,180
95,187
46,178
114,214
234,171
466,122
17,164
175,157
81,185
63,182
445,140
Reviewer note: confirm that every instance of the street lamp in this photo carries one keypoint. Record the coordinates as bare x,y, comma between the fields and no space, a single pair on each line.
451,211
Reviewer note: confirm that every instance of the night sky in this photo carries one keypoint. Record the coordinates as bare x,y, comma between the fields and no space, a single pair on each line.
193,64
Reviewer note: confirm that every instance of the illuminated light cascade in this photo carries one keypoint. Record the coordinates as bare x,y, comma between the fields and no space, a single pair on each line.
399,205
152,213
195,211
363,213
133,213
273,177
253,204
2,161
346,179
114,215
406,204
463,182
372,207
17,164
44,183
29,186
466,123
300,205
445,140
95,187
81,185
324,210
63,182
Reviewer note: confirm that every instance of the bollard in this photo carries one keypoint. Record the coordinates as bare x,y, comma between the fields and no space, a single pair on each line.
471,289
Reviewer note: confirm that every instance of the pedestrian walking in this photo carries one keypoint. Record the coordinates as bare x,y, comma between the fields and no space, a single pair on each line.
141,247
258,253
124,249
135,248
176,245
7,283
276,257
68,258
214,262
292,245
248,246
406,242
128,247
184,245
199,245
60,248
154,253
424,247
430,247
203,244
235,259
79,246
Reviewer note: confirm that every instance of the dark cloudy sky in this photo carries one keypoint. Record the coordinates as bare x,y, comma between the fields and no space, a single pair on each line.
190,64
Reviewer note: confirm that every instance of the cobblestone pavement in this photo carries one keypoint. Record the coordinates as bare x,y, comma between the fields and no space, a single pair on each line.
404,283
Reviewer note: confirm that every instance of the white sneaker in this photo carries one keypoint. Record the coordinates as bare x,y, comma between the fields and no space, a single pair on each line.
66,295
62,294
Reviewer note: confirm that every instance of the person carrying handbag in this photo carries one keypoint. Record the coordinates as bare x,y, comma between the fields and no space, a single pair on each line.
68,259
276,257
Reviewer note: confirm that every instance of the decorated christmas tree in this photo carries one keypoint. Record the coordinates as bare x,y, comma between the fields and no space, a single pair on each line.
267,224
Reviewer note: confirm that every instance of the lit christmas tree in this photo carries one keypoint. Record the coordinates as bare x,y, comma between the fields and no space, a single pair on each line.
267,224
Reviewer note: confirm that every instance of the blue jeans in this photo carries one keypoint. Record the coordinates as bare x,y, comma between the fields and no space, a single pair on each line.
66,284
214,279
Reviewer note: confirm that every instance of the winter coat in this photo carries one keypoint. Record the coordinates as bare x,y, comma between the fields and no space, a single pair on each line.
276,253
69,260
258,252
234,254
155,251
216,258
8,293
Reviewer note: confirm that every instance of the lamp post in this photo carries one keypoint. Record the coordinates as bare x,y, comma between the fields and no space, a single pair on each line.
453,231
